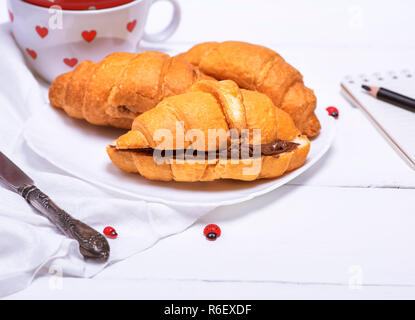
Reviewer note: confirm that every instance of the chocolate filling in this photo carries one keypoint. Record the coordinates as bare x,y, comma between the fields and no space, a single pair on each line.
270,149
277,147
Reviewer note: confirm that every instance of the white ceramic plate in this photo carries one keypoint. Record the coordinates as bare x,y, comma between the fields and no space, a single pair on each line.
79,148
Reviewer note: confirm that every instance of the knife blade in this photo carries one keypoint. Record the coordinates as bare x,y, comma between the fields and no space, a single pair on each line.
92,244
11,175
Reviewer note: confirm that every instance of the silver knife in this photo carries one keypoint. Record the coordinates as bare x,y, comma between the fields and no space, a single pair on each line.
92,244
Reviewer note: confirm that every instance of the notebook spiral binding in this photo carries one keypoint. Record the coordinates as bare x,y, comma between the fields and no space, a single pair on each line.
389,75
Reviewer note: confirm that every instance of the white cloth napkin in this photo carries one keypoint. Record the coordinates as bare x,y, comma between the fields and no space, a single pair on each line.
30,245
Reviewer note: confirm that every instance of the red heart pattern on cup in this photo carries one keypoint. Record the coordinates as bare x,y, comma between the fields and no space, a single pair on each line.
57,41
70,62
89,36
31,53
131,25
42,31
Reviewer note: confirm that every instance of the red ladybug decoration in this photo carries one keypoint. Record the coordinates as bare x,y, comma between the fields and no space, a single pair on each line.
110,232
333,112
212,232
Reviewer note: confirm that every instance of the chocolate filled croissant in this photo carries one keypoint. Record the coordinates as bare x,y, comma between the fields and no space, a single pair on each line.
211,105
258,68
121,86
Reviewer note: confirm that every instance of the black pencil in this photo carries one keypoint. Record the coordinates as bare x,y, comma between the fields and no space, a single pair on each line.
390,97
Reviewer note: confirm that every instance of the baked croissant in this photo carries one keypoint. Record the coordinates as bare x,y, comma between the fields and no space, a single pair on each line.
258,68
121,86
208,105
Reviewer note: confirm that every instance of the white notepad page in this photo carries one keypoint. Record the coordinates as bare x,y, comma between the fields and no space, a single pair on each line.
396,124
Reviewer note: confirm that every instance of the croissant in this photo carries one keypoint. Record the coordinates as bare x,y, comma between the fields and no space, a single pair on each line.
121,86
258,68
211,105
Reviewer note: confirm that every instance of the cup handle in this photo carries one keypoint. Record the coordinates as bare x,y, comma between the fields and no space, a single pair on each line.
170,29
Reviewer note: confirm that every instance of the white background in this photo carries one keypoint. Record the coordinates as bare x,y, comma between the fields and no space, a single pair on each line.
351,216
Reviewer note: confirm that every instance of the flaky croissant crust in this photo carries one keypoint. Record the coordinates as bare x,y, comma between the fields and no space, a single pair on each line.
123,85
120,87
261,69
210,105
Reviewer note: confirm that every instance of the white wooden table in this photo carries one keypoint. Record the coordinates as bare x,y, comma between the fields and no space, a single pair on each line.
342,230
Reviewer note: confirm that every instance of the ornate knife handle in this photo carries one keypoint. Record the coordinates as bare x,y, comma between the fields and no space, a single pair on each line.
92,244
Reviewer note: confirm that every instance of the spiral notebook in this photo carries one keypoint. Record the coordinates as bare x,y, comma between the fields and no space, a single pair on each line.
396,124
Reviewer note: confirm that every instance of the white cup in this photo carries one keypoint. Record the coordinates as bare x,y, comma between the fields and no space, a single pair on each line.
55,40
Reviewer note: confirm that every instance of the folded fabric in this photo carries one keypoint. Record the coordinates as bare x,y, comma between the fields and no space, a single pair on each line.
31,246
